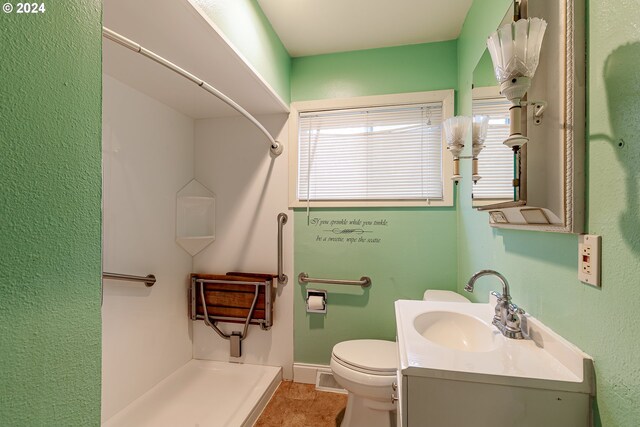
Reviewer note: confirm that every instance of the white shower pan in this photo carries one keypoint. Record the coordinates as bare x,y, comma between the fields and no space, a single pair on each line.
203,393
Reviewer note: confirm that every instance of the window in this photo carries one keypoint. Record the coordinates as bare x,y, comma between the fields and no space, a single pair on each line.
372,151
495,161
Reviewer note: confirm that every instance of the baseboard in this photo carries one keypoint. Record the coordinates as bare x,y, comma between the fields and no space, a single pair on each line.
307,373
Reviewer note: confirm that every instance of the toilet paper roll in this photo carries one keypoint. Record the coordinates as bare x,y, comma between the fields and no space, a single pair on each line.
315,302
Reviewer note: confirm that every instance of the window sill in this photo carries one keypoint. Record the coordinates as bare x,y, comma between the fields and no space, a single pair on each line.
478,203
372,203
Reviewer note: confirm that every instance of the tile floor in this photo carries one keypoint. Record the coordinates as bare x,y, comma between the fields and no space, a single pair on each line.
300,405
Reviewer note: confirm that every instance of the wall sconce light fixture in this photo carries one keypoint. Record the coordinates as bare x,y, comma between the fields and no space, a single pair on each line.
455,131
515,51
479,129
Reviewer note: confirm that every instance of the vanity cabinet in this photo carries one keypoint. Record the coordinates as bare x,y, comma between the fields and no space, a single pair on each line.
455,369
437,402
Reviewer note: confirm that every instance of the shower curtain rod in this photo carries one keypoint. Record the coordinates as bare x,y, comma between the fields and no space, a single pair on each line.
276,147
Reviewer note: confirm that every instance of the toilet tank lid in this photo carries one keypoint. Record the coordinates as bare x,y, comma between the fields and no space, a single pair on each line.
374,355
444,296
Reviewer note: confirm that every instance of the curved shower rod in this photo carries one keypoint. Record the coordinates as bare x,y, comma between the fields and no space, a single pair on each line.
276,147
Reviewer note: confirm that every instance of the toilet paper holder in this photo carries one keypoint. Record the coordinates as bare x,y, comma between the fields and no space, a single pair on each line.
316,293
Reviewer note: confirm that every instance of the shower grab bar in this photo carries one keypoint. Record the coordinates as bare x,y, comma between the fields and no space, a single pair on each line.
276,147
282,220
149,280
364,281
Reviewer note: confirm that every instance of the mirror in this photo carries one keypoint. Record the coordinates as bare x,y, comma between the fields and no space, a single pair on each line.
541,185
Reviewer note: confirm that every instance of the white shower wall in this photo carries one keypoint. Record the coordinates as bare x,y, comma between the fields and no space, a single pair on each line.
232,159
148,155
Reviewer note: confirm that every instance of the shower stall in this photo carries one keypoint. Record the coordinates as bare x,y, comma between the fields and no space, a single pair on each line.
160,132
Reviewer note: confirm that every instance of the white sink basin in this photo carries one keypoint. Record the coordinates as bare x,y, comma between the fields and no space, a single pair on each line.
456,341
456,331
450,356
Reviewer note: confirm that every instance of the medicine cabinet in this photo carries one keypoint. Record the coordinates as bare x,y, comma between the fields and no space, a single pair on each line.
547,174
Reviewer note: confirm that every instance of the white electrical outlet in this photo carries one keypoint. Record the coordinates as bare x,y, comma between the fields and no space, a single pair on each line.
589,247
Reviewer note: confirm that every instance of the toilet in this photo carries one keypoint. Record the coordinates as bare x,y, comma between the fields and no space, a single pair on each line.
367,370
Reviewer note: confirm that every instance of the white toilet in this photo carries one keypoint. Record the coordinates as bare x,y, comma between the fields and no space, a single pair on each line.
367,370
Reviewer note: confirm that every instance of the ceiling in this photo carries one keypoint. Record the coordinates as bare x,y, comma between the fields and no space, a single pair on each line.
313,27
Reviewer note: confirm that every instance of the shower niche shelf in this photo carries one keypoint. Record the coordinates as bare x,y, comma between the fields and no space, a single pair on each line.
195,217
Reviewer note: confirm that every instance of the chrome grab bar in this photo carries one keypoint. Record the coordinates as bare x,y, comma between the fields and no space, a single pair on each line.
364,281
149,280
282,278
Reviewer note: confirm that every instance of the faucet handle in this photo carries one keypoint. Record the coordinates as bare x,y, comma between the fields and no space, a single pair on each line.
515,309
499,308
513,322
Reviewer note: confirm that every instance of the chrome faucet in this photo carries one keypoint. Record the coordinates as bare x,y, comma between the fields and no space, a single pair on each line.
507,315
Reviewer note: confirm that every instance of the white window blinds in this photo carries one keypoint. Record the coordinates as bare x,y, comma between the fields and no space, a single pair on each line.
381,153
495,161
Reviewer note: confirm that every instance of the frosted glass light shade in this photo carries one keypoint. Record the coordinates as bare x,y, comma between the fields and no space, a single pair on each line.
479,129
455,132
515,48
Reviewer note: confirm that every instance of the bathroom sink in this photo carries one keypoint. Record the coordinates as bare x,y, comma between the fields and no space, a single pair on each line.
456,331
456,341
450,357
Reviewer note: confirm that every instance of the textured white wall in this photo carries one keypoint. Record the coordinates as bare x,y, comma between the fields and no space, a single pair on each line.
148,152
232,160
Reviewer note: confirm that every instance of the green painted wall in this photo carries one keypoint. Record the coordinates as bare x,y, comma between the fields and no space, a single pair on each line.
409,251
243,22
416,247
50,174
483,74
542,268
411,68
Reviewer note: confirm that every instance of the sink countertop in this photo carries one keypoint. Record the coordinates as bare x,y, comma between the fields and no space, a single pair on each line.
547,361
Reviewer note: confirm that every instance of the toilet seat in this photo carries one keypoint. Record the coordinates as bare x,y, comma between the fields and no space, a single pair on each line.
372,357
367,370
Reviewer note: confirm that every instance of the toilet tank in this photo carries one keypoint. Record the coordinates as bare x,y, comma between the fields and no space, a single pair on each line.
443,296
